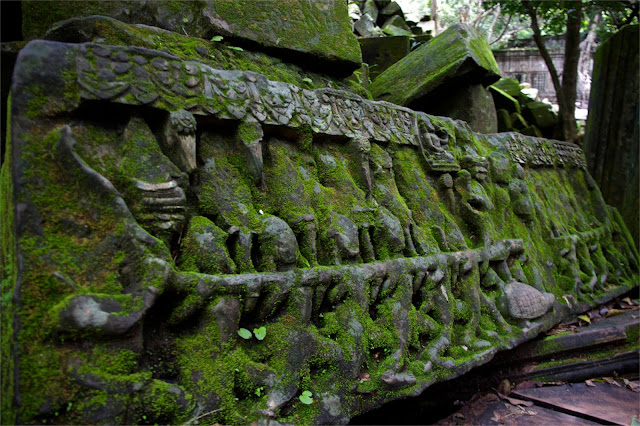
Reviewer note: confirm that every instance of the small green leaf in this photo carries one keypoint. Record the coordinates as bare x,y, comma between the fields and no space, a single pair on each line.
217,38
585,318
307,80
244,333
185,20
305,398
239,49
259,390
260,333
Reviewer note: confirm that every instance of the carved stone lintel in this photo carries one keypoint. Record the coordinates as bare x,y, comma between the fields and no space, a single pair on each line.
168,82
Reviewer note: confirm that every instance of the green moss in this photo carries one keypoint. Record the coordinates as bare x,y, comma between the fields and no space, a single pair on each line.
317,28
37,102
215,54
8,277
89,262
426,68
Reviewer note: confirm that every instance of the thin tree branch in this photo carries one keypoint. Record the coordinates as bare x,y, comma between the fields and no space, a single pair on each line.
203,415
504,30
493,24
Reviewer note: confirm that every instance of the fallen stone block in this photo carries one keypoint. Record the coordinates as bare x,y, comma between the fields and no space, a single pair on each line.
458,56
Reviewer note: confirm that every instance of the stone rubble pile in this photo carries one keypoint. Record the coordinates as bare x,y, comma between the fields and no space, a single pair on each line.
377,18
519,112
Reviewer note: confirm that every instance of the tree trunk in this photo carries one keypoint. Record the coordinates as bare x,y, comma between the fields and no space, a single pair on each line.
570,70
434,16
587,49
537,37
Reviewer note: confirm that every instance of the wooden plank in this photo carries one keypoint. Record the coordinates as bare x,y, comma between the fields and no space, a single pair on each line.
602,403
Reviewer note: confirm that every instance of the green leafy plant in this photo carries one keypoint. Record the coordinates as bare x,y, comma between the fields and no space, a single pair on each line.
239,49
185,20
307,80
305,398
217,38
260,333
244,333
259,390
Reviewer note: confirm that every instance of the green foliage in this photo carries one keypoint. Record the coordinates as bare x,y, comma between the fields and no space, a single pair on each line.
244,333
552,15
260,333
306,397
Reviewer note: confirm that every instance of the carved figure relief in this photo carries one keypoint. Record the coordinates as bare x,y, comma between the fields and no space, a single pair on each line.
369,240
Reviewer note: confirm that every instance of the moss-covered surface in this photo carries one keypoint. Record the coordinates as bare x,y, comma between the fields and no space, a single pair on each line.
395,279
459,53
8,278
222,53
286,28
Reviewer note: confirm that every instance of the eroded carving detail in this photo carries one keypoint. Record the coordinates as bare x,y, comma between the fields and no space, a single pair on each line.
166,80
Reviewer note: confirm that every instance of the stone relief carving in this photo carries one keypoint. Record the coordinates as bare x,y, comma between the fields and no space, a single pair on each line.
362,232
139,76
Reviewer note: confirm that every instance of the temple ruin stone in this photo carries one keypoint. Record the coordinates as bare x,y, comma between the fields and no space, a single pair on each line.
323,254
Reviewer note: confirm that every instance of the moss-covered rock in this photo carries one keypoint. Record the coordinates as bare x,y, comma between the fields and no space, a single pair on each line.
536,117
503,100
510,86
539,114
382,52
472,104
310,29
612,131
457,55
373,245
203,248
221,54
518,122
504,120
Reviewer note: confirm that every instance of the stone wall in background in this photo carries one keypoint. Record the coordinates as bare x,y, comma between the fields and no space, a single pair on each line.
182,240
611,137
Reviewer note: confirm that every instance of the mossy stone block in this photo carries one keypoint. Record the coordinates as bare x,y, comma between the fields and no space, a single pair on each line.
382,52
504,100
504,120
396,26
540,114
472,104
510,86
518,122
319,29
531,130
371,9
457,55
315,29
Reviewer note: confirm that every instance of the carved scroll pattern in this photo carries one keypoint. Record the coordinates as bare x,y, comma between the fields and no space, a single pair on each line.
140,76
541,152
